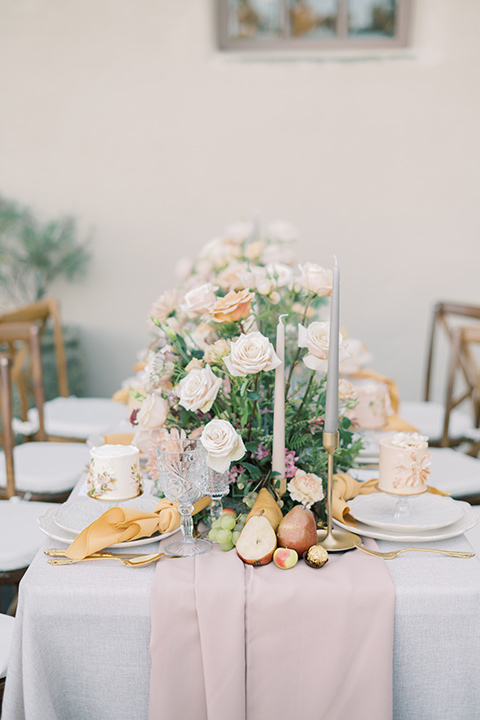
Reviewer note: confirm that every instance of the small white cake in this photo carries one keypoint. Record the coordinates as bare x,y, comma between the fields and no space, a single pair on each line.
404,464
114,473
370,413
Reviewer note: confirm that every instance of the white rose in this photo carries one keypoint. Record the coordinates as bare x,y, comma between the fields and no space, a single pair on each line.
222,443
238,232
153,412
360,356
316,339
198,389
257,278
250,354
281,273
199,300
316,279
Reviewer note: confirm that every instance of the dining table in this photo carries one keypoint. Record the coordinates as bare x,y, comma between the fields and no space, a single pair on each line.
81,648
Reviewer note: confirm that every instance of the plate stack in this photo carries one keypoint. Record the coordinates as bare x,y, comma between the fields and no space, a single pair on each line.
429,517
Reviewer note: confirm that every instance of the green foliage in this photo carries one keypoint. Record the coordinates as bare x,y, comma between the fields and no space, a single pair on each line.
34,254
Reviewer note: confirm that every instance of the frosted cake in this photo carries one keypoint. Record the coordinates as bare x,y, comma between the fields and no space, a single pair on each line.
114,472
404,464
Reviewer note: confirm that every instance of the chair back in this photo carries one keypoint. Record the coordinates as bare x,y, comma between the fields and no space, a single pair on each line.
450,317
7,412
23,342
43,312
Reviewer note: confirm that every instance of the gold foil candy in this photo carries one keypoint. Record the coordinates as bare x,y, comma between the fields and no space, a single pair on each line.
316,556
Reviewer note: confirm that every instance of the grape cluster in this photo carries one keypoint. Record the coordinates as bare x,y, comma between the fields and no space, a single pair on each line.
226,529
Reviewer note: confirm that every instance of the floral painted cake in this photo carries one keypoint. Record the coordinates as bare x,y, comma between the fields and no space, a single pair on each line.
370,412
114,473
404,464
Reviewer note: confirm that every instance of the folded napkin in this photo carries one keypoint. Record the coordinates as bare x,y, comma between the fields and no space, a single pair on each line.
123,524
394,422
345,488
121,395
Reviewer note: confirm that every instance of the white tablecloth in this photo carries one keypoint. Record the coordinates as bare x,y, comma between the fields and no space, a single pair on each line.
81,646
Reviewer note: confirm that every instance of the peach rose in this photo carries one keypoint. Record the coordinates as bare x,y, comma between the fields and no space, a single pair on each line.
198,389
153,412
222,443
234,306
305,488
316,279
230,277
164,305
199,300
250,354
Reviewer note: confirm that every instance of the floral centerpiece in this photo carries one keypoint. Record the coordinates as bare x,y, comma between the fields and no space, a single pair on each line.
210,369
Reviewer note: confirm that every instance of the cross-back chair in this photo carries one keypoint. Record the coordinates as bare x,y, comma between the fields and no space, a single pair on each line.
45,471
445,423
20,536
465,339
66,417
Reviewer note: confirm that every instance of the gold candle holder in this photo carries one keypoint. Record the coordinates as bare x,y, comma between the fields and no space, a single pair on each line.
334,540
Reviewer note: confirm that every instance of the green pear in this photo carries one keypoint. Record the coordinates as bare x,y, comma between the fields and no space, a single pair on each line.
297,530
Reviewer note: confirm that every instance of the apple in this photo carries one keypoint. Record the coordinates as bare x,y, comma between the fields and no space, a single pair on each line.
285,558
257,541
298,530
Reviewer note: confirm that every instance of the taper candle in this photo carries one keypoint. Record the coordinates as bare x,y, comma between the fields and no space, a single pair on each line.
278,445
331,405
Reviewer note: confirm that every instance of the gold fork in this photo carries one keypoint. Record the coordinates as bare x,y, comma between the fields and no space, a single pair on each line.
135,561
395,553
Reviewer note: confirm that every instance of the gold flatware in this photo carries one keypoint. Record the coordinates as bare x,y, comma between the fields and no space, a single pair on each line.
135,561
396,553
59,553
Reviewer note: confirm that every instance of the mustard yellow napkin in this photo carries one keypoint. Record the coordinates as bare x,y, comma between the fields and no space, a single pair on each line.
121,524
345,488
394,422
119,438
121,396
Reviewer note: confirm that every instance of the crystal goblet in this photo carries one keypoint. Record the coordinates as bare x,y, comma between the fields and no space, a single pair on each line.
182,470
217,485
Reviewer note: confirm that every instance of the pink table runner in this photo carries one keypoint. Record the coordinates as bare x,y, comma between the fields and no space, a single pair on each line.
232,641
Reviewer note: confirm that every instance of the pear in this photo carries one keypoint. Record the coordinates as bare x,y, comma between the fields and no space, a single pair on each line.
257,541
297,530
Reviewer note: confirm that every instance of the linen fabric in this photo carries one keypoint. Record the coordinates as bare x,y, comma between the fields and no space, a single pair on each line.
259,642
82,632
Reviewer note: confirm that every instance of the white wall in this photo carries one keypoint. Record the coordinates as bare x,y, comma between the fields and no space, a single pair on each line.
122,113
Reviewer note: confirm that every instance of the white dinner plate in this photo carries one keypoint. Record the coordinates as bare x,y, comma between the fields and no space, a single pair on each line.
416,513
75,515
466,522
49,528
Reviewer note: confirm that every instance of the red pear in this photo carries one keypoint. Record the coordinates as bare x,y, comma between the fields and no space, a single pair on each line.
297,530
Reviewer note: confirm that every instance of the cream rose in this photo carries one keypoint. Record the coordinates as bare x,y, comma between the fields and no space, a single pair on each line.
346,390
153,412
217,351
282,274
257,278
250,354
316,339
281,231
222,443
234,306
230,277
316,279
198,389
199,300
305,488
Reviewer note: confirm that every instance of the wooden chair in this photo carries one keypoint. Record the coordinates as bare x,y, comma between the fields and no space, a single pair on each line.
66,417
20,536
446,425
45,471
